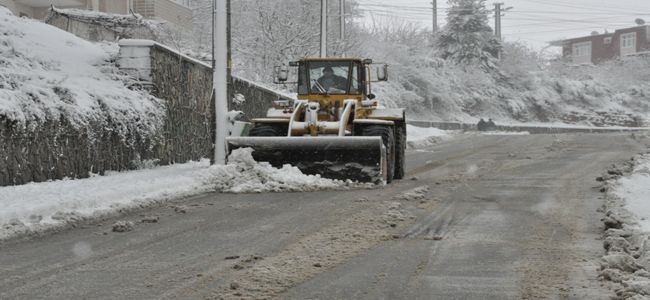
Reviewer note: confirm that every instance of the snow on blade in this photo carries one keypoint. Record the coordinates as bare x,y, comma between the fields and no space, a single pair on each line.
635,191
38,206
243,174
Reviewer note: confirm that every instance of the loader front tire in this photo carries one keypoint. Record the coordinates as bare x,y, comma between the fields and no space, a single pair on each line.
387,135
261,129
400,150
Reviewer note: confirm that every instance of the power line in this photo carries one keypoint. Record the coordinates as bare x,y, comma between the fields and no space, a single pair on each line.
589,8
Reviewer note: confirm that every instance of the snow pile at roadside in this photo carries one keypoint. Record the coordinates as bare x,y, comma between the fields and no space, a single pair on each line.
627,235
49,74
635,190
38,206
420,137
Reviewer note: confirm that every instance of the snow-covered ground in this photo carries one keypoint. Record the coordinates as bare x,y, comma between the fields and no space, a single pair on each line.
47,73
420,137
635,191
38,206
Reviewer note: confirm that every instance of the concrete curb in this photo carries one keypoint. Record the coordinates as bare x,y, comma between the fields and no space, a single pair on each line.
529,129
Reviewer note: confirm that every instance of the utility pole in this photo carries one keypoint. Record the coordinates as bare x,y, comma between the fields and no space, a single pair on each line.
323,28
214,17
230,89
497,20
342,23
220,79
342,10
498,13
435,16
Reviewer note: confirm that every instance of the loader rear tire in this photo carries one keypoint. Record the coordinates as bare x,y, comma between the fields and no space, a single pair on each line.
400,150
387,135
261,129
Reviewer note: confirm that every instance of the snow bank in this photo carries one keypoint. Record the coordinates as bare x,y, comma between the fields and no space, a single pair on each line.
420,137
38,206
47,74
627,231
415,133
635,191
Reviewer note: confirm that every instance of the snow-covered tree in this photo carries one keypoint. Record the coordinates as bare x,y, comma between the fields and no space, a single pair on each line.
467,38
268,33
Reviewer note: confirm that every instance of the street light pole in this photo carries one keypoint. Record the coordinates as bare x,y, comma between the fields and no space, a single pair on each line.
220,79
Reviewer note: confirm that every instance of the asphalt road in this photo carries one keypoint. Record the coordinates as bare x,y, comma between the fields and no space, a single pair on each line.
497,217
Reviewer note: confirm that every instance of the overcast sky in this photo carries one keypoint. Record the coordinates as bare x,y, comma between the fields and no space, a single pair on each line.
534,22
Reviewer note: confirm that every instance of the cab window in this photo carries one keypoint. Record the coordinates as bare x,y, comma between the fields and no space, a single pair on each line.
329,77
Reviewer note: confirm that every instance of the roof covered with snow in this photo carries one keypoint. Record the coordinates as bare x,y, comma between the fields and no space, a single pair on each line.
95,16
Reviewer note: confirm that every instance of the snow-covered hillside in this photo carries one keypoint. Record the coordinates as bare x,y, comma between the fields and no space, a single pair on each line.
612,94
47,74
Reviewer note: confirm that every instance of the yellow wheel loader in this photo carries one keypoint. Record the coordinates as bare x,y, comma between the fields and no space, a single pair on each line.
336,128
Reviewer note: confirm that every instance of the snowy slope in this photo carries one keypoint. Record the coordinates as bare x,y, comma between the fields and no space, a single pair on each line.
46,73
581,95
37,206
635,191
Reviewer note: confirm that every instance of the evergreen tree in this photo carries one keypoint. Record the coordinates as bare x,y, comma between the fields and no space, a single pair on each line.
467,38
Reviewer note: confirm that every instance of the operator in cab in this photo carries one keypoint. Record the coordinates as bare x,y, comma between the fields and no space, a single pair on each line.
329,81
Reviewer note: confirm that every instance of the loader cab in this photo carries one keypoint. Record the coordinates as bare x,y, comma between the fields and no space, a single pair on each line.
331,77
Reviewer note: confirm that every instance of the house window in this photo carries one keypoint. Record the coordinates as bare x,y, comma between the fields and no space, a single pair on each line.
581,53
628,40
582,49
628,43
607,40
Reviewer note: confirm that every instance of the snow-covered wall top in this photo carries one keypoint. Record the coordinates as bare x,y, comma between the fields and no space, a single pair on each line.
135,57
50,74
97,26
133,60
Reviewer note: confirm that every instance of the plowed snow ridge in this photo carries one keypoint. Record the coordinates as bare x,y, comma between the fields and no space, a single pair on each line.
39,206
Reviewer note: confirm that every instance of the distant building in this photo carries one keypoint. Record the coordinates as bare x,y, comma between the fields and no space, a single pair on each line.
176,12
597,48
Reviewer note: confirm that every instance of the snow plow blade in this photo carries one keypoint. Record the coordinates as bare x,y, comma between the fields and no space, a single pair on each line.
361,159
